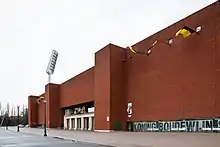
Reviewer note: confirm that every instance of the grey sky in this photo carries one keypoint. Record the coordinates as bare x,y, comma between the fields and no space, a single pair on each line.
30,29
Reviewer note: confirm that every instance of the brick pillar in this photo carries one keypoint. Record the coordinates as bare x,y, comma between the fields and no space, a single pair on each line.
54,112
109,88
102,89
32,111
118,97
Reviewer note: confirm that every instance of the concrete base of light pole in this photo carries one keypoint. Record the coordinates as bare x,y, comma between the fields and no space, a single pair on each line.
45,132
18,129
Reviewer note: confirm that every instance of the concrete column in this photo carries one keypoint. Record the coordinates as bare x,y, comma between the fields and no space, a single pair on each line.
75,127
65,123
82,123
70,123
73,123
90,123
86,123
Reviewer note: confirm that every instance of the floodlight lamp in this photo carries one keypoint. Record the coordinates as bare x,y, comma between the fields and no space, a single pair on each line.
170,41
52,62
198,28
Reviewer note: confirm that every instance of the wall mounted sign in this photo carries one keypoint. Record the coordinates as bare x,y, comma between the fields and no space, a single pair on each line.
129,109
68,112
79,110
75,111
91,110
202,125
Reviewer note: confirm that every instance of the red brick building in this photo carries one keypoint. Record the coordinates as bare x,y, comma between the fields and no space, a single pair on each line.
175,88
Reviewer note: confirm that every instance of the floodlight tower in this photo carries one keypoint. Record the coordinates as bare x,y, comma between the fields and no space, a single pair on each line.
50,70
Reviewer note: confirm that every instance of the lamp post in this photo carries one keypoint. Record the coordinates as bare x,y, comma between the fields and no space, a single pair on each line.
7,120
45,118
18,120
50,70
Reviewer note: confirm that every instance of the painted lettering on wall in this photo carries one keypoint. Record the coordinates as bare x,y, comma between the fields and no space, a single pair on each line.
205,125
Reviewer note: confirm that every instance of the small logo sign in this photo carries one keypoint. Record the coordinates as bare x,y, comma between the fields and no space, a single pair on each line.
129,109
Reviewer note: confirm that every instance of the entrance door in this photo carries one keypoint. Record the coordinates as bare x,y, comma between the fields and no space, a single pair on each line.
68,125
78,123
73,123
86,123
93,123
129,126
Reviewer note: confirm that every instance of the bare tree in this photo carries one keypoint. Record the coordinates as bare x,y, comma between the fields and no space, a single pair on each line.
23,113
8,108
14,113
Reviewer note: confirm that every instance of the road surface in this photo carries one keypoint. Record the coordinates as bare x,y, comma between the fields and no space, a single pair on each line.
9,138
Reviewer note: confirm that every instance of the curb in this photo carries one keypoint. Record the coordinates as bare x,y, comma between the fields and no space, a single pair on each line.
84,142
63,138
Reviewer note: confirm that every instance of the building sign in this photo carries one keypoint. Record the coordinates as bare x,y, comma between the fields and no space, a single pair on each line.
204,125
91,110
79,110
129,109
74,111
68,112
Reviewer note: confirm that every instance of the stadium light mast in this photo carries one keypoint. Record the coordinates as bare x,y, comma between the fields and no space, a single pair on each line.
50,70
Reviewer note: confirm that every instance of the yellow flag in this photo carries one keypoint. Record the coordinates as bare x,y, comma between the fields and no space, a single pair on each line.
185,32
132,49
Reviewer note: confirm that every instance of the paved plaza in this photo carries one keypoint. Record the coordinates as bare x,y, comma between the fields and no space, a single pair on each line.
11,138
132,139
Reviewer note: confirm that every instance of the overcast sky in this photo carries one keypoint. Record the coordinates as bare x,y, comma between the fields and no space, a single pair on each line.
30,29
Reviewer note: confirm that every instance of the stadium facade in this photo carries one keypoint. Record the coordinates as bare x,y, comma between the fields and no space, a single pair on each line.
174,88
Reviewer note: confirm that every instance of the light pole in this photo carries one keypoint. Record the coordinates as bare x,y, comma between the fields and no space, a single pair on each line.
18,120
45,118
7,120
50,70
45,113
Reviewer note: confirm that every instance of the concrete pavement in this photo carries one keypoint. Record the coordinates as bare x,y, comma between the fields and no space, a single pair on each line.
9,138
134,139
